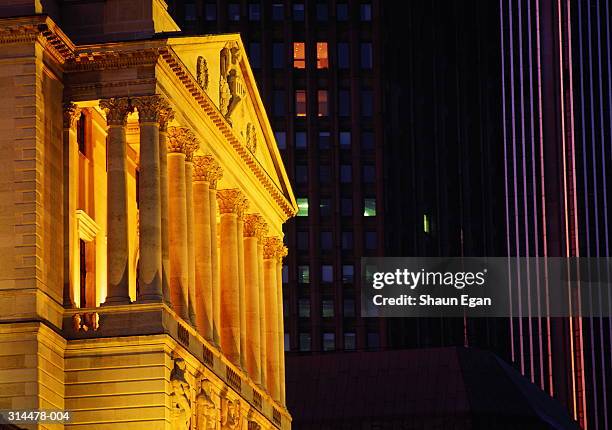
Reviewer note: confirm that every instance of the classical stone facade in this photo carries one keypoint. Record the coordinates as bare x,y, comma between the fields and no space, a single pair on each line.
140,226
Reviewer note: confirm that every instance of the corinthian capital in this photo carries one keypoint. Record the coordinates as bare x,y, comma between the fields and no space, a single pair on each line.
204,167
117,110
178,139
254,226
231,200
282,253
272,247
71,114
165,116
191,146
150,108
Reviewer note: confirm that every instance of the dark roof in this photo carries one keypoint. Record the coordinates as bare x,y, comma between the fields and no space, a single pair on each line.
458,388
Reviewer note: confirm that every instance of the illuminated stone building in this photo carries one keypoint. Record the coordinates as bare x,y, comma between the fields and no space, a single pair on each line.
142,198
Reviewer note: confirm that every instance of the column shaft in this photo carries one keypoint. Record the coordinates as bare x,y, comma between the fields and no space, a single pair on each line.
230,288
273,381
281,324
163,192
215,264
263,312
190,241
203,259
242,289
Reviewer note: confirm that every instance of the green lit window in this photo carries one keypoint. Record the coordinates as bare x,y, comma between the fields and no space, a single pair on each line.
303,275
302,203
369,207
425,223
327,308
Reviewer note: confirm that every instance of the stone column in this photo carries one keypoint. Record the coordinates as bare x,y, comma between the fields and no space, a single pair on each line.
253,227
71,157
190,147
216,174
230,201
150,225
177,220
282,252
240,232
117,110
271,251
166,116
263,322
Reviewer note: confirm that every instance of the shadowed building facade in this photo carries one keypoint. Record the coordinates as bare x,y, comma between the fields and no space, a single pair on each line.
142,202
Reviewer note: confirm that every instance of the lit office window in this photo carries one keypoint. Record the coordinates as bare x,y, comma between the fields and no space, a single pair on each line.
348,273
190,12
349,307
302,240
254,11
324,174
301,174
301,140
425,223
326,240
210,11
347,240
303,275
327,308
278,102
325,207
327,273
342,12
345,139
324,139
343,55
278,12
302,203
322,57
367,103
281,139
233,12
278,55
255,54
287,342
366,55
322,102
344,103
369,207
350,341
373,340
366,12
305,342
304,308
329,341
322,12
299,55
371,240
346,171
298,12
346,206
300,103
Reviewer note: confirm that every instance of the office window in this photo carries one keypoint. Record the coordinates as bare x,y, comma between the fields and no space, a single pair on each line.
373,340
326,240
300,102
327,273
302,240
286,306
322,56
81,132
278,55
348,273
344,103
343,55
346,206
301,140
255,54
329,341
349,307
278,103
345,139
298,12
304,308
366,12
327,308
366,55
285,274
210,11
302,203
287,342
281,139
324,139
254,11
299,55
190,12
305,342
322,12
350,341
371,240
425,223
322,102
367,107
367,140
233,12
301,174
278,12
303,275
346,173
342,12
347,240
369,207
325,207
324,174
369,174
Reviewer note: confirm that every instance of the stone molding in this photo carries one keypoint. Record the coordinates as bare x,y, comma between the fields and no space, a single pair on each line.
117,110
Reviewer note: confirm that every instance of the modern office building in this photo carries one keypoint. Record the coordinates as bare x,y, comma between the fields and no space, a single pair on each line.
318,68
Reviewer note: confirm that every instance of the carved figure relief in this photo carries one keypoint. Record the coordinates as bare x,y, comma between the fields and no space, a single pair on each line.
231,86
206,416
180,399
202,73
86,321
230,414
251,138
